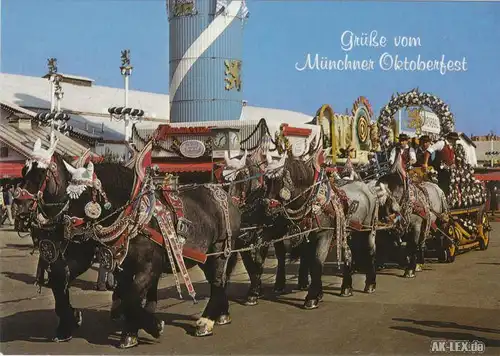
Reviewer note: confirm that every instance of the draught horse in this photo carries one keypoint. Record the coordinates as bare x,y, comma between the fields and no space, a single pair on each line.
66,208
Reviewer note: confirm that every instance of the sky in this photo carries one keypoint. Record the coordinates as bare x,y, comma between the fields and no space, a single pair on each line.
86,37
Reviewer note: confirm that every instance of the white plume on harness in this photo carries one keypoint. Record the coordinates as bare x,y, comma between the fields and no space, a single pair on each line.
40,155
275,168
233,165
81,178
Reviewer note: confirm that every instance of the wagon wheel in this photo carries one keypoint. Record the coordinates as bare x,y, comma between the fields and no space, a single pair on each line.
450,253
484,239
449,250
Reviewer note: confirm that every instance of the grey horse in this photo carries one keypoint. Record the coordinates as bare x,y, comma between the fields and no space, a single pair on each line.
418,207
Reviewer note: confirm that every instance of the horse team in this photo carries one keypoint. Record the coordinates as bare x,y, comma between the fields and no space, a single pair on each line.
291,202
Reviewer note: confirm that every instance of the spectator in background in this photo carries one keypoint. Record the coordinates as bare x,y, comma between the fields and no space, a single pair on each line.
3,209
8,198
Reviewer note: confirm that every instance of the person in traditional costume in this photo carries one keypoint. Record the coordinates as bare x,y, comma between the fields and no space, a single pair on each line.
424,142
407,152
444,160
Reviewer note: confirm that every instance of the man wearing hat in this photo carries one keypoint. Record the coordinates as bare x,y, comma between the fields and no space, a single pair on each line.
445,153
424,142
444,160
407,153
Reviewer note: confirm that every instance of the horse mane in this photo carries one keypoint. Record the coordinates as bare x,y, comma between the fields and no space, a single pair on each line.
395,176
301,172
117,181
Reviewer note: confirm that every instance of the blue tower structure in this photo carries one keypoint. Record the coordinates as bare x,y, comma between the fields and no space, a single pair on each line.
205,59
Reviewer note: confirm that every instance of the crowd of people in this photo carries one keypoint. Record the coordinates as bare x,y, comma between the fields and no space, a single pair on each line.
422,152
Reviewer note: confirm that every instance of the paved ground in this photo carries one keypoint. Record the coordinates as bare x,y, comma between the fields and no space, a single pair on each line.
446,301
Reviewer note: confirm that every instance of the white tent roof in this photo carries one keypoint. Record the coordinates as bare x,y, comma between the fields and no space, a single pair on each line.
88,106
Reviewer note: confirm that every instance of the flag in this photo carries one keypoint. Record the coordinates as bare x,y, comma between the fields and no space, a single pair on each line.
220,6
244,10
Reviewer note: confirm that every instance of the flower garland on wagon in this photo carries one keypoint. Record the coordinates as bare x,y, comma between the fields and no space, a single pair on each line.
464,190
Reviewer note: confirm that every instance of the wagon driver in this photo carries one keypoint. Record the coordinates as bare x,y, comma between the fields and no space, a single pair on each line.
444,160
407,153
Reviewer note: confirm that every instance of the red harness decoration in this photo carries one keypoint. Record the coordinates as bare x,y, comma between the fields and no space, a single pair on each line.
175,202
23,194
342,196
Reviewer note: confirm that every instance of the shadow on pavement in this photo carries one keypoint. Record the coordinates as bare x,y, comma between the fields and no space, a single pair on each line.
38,326
448,324
30,279
448,335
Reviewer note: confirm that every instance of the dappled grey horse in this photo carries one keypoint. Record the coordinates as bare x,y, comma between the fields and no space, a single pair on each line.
418,207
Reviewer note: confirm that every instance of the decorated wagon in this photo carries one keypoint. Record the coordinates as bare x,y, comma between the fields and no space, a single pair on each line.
466,226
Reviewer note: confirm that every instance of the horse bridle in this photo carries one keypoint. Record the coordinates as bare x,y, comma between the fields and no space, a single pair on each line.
241,200
38,205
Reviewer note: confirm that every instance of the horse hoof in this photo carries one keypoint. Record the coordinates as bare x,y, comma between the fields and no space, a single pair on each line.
150,307
370,288
223,319
346,292
203,331
204,327
303,287
409,274
418,268
252,300
311,304
279,290
128,341
62,338
78,318
160,327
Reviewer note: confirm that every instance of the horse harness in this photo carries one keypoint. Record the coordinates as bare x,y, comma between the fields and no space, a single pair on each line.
321,199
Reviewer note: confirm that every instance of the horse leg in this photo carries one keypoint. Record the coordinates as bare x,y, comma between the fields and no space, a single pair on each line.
255,269
69,318
136,317
280,283
304,267
420,257
371,272
411,246
217,272
322,242
152,297
61,274
40,271
124,280
347,271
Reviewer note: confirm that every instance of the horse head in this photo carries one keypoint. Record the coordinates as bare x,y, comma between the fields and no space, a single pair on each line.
393,186
45,179
244,177
36,166
288,181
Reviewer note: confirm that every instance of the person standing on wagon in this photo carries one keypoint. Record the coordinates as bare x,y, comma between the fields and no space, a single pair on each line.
408,153
424,142
444,160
